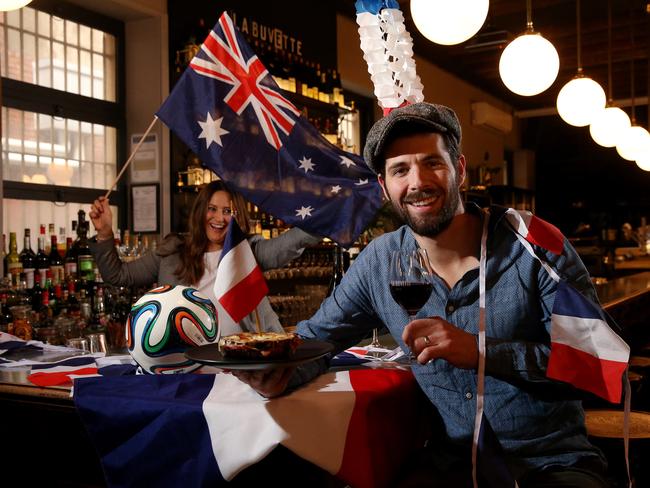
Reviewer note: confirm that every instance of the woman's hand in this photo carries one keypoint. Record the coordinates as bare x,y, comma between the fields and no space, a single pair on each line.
435,338
102,218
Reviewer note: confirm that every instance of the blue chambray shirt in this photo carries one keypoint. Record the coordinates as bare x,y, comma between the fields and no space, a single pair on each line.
535,426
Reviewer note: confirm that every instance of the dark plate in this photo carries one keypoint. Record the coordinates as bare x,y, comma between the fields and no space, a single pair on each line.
308,350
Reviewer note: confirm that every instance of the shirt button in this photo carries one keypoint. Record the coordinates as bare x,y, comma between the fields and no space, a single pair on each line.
468,395
450,308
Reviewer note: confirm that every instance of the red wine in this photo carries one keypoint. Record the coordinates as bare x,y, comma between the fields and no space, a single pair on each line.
410,295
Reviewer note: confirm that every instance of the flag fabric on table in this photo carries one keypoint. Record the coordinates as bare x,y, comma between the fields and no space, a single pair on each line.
585,351
63,372
202,429
240,285
60,373
229,111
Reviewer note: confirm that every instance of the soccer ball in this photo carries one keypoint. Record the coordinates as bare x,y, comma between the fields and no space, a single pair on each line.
166,321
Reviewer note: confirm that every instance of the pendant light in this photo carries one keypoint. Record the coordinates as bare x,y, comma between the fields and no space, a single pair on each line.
581,98
634,142
448,22
610,122
530,63
6,5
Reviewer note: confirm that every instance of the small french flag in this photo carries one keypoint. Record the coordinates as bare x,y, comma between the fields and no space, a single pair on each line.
585,352
240,285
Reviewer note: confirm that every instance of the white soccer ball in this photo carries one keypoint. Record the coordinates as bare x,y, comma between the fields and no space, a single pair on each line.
166,321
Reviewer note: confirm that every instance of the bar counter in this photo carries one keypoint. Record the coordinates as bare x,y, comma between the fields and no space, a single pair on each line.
42,423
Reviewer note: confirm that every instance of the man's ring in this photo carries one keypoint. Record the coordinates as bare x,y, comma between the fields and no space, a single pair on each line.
427,341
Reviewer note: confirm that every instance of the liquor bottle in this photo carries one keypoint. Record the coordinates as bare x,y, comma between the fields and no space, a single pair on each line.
57,269
70,261
37,293
14,266
266,228
28,259
4,256
42,259
125,248
48,240
337,270
85,260
61,242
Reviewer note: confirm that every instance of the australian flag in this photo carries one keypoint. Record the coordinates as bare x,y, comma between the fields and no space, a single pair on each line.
229,111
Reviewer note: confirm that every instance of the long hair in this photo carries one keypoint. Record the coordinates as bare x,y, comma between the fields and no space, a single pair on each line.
191,267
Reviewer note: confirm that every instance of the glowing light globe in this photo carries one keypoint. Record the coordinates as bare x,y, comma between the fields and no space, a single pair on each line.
449,22
634,144
608,125
6,5
644,164
166,321
580,100
529,64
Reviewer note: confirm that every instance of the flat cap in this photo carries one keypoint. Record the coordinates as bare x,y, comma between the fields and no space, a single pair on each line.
439,118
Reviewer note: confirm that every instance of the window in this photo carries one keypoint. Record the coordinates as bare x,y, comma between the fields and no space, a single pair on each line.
62,115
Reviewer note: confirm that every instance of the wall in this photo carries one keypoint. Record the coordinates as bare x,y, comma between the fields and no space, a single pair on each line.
439,87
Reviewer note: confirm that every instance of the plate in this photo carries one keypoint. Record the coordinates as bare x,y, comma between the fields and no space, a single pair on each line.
308,350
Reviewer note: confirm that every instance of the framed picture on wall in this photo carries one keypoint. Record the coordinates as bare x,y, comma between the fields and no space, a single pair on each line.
144,208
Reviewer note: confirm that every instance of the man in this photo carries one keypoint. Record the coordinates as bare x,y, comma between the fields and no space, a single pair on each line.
415,151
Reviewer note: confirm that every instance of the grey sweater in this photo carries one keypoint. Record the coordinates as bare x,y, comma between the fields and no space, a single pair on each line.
160,266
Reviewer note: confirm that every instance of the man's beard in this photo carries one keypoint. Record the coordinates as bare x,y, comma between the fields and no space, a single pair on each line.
432,224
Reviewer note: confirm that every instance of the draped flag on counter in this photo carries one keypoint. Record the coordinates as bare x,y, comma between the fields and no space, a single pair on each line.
228,110
202,429
240,285
585,351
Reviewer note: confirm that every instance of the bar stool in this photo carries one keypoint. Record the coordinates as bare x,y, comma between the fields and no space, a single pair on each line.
605,427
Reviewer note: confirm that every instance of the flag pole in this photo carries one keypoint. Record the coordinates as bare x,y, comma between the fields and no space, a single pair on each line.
128,161
257,321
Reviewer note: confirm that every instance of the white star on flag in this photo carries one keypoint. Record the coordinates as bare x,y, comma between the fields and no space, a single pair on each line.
336,188
306,164
347,162
304,212
362,182
212,131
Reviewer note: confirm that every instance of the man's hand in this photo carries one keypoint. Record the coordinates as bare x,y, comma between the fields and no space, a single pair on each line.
269,384
435,338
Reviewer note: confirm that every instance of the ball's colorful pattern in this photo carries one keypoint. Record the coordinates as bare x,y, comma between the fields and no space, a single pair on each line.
164,322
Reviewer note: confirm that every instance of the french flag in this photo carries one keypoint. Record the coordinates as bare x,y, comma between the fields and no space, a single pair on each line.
240,285
204,429
61,373
585,352
536,231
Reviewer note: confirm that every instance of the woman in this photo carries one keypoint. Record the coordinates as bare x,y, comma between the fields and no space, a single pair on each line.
193,260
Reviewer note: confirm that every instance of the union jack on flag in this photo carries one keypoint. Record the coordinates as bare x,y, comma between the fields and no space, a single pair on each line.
228,110
221,58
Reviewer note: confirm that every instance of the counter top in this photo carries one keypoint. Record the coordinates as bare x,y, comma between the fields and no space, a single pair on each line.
619,290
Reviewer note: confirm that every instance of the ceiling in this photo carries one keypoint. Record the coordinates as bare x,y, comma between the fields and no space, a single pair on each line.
477,59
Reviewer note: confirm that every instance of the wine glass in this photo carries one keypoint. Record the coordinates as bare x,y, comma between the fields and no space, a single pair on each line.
411,282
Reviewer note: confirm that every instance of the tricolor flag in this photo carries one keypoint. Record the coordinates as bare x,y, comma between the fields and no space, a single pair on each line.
202,429
584,350
240,284
536,231
230,112
61,373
